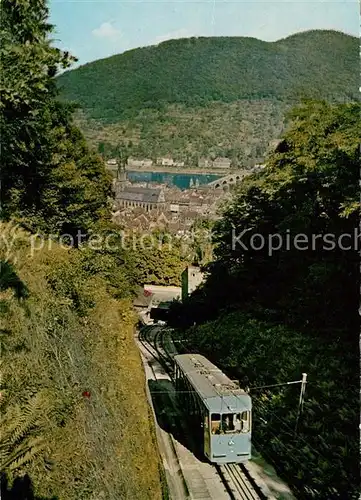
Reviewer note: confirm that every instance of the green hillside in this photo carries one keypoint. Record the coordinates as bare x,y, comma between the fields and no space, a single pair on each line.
161,94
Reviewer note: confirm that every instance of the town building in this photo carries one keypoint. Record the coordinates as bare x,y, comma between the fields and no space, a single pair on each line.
144,207
221,163
129,196
143,300
162,293
177,213
165,162
204,163
169,162
192,277
153,302
133,197
112,162
138,163
142,304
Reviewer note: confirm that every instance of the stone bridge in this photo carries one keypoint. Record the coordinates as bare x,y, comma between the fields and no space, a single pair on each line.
233,178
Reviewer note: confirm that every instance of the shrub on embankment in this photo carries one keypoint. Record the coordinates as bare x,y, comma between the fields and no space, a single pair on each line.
323,456
73,402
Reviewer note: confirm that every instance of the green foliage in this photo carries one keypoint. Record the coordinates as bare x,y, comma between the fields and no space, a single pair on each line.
72,417
259,354
9,279
201,242
240,130
27,57
287,309
48,176
75,424
21,489
222,96
19,428
157,258
222,69
304,190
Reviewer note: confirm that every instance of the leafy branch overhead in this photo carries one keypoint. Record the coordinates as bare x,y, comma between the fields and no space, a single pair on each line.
49,178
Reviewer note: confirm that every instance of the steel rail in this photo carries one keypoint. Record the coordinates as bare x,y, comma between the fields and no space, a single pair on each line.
239,484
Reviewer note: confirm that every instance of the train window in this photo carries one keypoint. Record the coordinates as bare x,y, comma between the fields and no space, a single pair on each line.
245,419
222,424
228,422
237,422
216,423
206,422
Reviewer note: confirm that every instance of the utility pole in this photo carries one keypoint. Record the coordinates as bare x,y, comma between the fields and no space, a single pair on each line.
303,382
302,395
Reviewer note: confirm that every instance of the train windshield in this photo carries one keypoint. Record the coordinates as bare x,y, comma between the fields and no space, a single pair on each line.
230,422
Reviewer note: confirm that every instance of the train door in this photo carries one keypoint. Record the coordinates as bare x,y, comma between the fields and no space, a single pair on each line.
207,435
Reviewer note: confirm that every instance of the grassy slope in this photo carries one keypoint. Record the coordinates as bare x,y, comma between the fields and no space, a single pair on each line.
101,447
166,104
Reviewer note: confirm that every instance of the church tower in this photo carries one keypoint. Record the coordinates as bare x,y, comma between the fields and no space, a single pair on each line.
121,176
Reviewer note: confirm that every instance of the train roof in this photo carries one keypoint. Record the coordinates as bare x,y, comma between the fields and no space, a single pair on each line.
219,393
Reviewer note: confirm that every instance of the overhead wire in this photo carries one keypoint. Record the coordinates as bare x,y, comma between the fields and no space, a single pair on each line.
298,437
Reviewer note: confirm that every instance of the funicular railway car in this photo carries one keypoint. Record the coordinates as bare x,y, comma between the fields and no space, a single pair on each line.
219,410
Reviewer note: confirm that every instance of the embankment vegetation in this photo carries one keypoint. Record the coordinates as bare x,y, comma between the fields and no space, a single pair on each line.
75,419
73,403
267,315
159,257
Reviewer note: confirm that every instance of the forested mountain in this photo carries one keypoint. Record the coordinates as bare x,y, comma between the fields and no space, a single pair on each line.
218,95
201,70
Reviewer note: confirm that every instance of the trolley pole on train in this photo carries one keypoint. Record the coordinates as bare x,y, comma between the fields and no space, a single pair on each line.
300,403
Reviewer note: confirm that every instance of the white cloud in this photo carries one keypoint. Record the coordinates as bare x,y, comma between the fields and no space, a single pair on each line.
181,33
106,30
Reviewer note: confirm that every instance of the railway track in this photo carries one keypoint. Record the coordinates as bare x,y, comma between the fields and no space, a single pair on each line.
152,340
238,482
174,474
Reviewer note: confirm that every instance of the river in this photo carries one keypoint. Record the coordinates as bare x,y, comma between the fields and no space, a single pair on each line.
182,181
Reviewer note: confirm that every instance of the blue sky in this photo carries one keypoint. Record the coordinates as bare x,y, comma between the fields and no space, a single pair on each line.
93,29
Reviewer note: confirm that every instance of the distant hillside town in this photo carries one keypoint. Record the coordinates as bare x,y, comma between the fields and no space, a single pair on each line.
217,163
220,163
147,206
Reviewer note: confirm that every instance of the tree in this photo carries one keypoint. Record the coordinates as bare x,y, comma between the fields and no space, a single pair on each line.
309,187
156,258
49,179
101,148
281,308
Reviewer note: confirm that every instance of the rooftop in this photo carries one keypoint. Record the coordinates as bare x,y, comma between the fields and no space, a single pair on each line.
220,394
143,194
163,293
142,300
